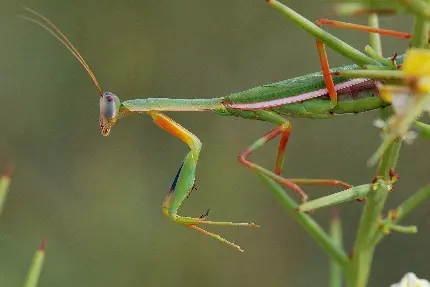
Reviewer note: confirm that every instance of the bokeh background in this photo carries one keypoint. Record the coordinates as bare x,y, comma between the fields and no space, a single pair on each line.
97,200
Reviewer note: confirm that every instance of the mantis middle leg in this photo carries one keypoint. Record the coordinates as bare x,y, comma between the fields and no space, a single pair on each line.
283,128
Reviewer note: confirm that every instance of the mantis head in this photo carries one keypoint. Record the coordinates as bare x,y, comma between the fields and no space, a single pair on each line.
109,102
109,109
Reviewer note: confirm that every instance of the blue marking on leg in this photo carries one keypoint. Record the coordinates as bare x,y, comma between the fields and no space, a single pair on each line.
175,181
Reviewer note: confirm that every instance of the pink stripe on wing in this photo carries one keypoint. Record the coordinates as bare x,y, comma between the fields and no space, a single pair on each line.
293,99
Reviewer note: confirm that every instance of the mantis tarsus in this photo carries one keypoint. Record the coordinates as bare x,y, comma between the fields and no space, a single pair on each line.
317,96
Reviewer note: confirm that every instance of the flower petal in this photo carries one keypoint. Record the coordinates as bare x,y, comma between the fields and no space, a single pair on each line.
410,280
417,63
379,123
410,136
401,102
424,85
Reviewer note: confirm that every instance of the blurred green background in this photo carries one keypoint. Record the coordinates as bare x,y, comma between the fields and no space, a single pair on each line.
97,200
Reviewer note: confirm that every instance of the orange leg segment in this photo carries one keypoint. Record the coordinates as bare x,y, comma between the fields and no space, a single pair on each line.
363,28
291,183
325,68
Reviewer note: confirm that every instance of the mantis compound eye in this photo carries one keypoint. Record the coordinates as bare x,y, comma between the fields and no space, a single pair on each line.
109,105
109,108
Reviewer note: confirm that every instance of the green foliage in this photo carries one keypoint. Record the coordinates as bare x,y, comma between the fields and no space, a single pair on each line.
110,195
39,257
371,230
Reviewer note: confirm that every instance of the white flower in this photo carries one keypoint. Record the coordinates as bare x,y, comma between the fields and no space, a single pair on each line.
409,137
380,124
410,280
402,102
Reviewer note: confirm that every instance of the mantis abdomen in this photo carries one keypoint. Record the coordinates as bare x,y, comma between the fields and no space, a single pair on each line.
306,97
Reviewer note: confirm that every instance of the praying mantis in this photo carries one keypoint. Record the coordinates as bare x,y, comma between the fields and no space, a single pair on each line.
320,95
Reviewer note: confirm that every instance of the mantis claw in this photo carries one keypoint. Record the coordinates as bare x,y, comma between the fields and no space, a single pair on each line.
205,216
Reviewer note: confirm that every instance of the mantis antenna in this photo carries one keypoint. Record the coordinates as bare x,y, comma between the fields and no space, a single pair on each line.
109,113
51,28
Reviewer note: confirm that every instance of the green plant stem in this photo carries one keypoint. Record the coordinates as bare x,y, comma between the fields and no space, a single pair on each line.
364,247
348,9
421,24
339,46
400,228
4,186
406,207
36,267
372,74
424,129
403,124
353,193
418,7
388,63
336,235
334,252
374,38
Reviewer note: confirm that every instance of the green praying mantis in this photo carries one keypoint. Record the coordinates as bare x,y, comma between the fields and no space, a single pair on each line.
320,95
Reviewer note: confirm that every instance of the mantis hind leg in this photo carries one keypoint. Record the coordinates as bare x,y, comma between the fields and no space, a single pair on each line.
333,42
183,182
283,129
325,67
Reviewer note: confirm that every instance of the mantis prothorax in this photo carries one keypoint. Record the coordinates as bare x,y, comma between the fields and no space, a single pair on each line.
317,96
